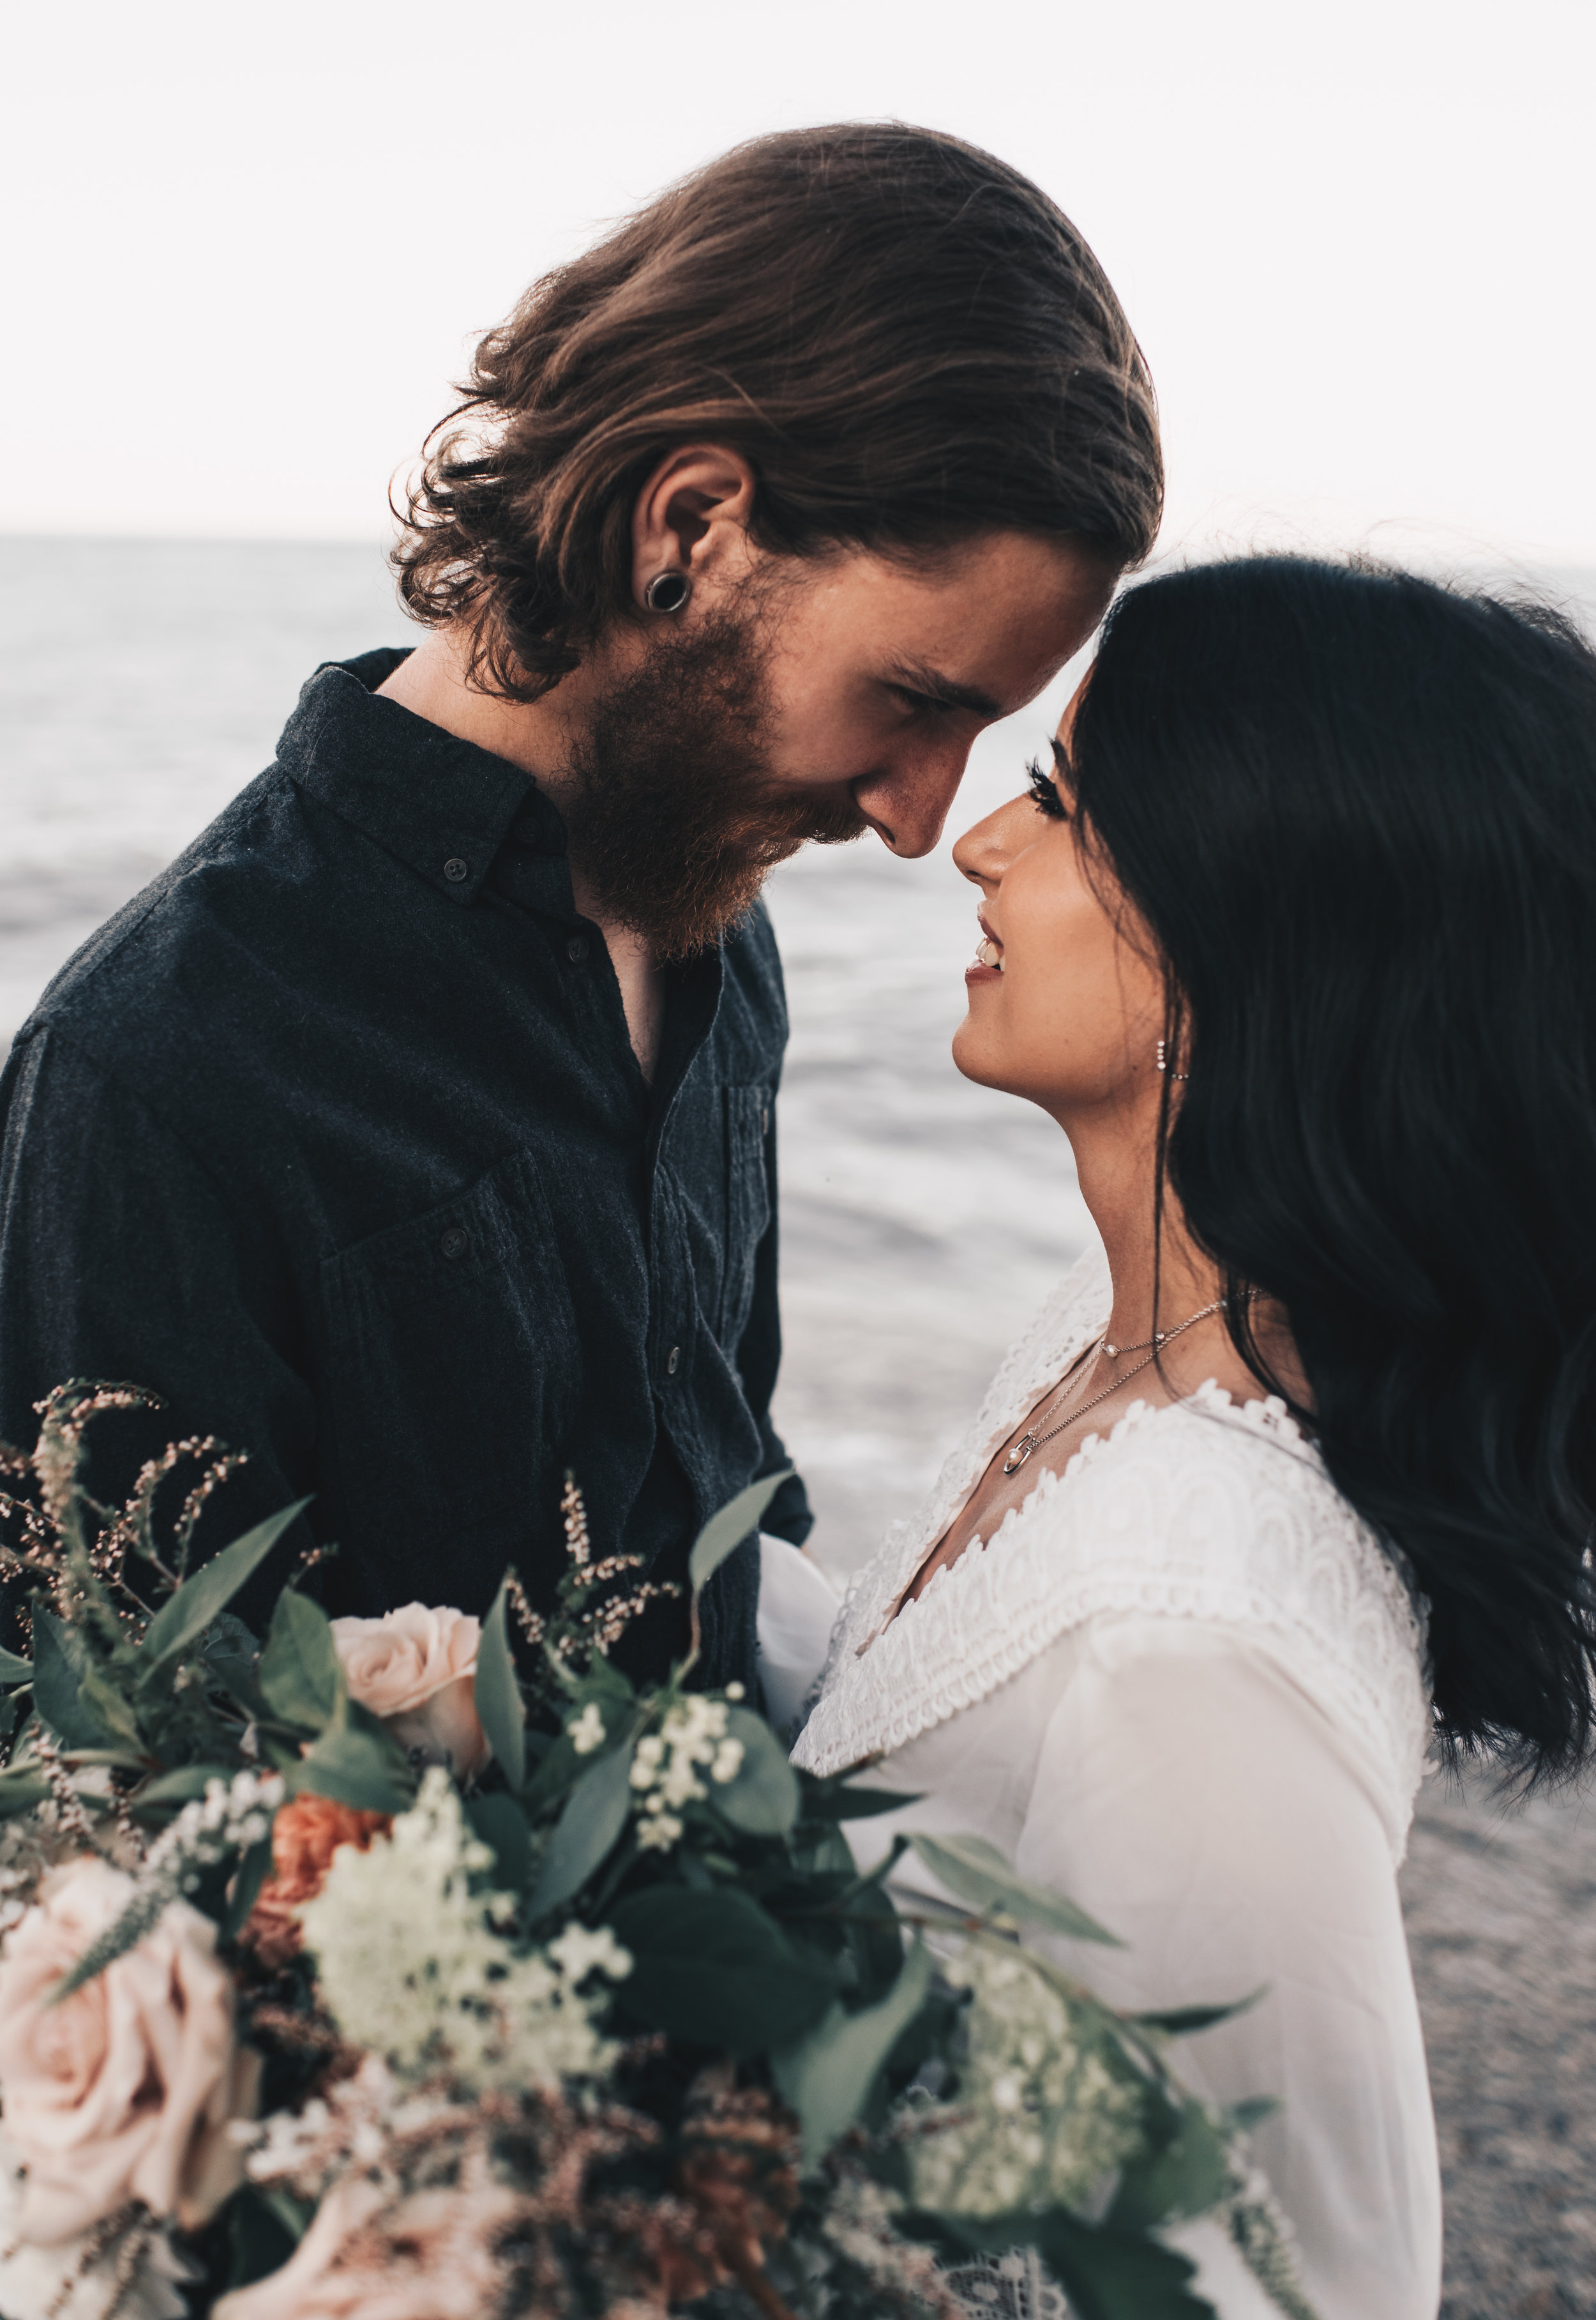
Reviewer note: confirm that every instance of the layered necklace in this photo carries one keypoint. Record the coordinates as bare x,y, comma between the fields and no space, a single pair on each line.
1149,1349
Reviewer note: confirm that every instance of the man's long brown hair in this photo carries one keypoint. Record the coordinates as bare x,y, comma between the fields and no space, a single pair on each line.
906,339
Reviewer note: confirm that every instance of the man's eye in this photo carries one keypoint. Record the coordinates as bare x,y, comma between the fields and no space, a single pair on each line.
1044,792
920,704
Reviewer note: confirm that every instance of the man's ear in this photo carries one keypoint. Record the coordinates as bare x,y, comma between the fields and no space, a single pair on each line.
691,517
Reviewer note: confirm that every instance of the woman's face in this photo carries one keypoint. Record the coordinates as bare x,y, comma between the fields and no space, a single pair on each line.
1066,1004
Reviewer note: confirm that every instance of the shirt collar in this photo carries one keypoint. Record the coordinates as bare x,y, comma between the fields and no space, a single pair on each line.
441,805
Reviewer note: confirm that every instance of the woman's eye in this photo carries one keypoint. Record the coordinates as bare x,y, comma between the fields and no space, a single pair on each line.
1044,792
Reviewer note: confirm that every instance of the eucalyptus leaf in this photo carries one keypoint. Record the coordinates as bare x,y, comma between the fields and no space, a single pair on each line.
354,1768
298,1673
841,1803
826,2076
979,1873
1184,2021
497,1693
713,1969
595,1814
13,1670
183,1785
499,1822
190,1611
20,1791
763,1798
58,1665
1186,2177
109,1708
254,1870
724,1532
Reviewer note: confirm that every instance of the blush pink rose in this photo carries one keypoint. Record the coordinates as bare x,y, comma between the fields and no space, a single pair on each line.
125,2089
416,1668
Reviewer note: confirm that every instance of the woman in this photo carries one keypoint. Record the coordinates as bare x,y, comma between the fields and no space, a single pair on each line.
1297,943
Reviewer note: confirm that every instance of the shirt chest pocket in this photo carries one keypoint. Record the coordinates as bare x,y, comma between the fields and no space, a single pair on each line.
747,1206
453,1362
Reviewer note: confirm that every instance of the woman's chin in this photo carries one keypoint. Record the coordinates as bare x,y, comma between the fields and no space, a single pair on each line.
977,1055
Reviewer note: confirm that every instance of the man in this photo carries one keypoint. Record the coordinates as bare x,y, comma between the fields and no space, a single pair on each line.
415,1132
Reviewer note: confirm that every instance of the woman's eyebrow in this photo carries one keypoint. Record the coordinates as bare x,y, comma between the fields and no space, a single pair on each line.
945,690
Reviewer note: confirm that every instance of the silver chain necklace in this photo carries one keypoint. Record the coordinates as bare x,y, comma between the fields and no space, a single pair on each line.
1031,1440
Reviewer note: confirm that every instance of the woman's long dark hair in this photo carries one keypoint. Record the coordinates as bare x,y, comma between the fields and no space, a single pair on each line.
1357,811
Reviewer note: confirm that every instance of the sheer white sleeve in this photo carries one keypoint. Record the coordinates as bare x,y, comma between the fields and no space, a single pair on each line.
1194,1800
797,1607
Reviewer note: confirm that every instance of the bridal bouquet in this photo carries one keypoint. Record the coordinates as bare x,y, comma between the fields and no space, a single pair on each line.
355,1969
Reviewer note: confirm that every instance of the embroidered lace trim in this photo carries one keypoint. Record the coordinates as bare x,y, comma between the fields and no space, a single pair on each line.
1012,2287
1203,1508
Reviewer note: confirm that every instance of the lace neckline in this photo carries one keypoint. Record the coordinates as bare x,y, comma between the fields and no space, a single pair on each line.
1265,1414
1172,1510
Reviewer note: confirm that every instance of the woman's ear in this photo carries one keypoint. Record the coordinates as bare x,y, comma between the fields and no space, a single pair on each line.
691,517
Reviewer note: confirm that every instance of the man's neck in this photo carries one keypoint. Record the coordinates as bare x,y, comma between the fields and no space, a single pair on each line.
536,735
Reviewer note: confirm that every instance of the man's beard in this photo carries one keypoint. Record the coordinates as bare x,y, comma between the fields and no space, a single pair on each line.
672,814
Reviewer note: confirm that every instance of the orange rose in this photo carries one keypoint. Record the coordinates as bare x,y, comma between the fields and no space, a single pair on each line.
306,1834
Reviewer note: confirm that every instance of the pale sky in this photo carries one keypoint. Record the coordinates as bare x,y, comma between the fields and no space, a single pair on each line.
248,249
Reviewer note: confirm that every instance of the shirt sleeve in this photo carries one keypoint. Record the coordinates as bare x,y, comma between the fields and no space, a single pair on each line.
1199,1805
121,1258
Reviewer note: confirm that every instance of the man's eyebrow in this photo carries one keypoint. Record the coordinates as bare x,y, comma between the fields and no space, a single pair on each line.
944,690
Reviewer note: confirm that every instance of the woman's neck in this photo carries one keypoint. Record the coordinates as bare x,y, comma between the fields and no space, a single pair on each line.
1161,1278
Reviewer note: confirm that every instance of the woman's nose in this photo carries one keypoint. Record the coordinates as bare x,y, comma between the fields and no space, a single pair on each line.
984,854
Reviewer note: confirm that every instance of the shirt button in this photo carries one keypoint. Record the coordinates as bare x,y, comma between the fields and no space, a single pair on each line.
672,1359
454,869
453,1242
576,949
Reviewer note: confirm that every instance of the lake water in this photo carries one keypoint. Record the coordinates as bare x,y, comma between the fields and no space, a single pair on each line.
922,1219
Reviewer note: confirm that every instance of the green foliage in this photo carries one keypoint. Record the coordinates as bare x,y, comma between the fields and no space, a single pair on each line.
355,1765
186,1614
497,1693
715,1969
827,2076
764,1799
595,1814
977,1872
59,1659
1185,2175
500,1823
834,1800
299,1674
725,1531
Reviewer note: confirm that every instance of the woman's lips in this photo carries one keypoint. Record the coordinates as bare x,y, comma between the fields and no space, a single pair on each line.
987,963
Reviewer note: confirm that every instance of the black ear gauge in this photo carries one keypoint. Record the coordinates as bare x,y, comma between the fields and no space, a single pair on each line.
667,591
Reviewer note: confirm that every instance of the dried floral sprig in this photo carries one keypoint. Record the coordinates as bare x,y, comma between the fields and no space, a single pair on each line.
76,1551
590,1618
228,1819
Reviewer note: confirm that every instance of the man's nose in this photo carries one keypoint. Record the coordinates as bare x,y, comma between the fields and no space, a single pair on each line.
908,806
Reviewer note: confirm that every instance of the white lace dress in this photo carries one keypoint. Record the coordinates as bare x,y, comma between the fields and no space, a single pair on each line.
1183,1685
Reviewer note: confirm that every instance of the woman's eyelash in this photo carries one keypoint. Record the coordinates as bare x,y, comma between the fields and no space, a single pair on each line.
1044,792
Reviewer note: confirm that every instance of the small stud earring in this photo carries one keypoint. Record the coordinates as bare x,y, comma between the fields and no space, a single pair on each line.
667,591
1163,1066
